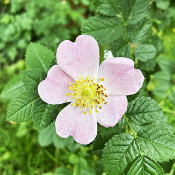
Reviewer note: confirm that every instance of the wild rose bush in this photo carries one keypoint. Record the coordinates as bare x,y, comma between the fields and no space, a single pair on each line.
135,138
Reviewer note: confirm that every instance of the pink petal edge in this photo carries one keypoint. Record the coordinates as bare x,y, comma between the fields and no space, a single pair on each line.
112,112
72,121
80,58
54,88
121,78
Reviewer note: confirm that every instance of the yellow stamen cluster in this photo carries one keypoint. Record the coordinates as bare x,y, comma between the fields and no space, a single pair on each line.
88,95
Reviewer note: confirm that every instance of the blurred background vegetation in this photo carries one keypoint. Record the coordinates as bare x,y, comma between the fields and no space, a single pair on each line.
49,22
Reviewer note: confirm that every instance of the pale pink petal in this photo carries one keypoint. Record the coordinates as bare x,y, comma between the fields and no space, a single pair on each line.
80,58
120,76
54,88
72,121
113,111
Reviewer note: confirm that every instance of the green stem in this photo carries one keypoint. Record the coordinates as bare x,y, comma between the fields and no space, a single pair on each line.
127,130
124,24
125,30
134,133
163,101
172,170
50,155
56,153
169,111
136,61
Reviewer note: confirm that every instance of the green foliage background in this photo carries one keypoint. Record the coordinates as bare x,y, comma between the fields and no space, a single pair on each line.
147,38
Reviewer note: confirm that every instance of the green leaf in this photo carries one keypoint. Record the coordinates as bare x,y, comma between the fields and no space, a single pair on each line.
45,136
105,134
21,107
148,65
120,151
144,165
160,91
132,10
109,132
12,88
120,49
60,142
48,173
48,136
166,65
103,29
44,114
31,79
139,32
88,171
172,97
162,4
74,159
80,165
143,111
107,7
39,57
164,82
63,171
157,142
145,52
163,78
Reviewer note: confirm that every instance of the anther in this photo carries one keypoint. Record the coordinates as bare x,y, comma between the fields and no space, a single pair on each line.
96,111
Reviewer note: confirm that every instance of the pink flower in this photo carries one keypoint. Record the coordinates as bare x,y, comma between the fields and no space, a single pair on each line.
97,93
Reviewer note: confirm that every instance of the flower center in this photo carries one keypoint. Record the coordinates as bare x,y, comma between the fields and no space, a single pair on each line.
88,95
87,92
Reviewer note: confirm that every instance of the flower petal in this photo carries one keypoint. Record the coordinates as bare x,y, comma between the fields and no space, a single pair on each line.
54,88
72,121
113,111
120,76
80,58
